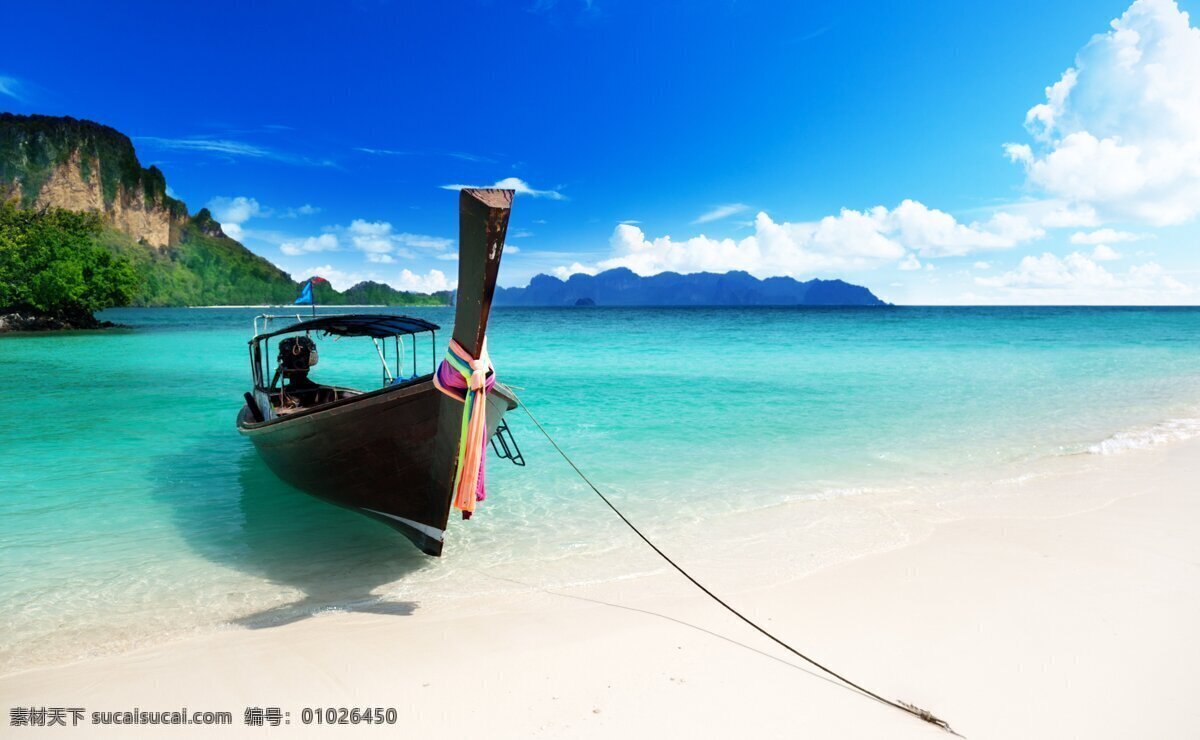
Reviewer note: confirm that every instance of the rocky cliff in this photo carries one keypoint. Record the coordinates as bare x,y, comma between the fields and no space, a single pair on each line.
84,166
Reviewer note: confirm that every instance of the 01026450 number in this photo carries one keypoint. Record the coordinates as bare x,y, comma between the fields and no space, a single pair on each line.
345,716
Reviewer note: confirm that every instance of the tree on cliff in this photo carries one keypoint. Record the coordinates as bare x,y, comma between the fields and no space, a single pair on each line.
51,265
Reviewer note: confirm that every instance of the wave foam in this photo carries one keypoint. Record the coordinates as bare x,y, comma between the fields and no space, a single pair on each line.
1171,430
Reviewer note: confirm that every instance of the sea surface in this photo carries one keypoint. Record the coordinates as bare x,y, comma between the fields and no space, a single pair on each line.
131,511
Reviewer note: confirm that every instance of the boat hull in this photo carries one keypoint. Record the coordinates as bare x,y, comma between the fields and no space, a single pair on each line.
374,453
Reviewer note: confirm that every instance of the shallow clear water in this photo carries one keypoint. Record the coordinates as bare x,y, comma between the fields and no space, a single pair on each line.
131,510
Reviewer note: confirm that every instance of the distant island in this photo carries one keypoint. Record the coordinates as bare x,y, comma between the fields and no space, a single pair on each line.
84,227
623,287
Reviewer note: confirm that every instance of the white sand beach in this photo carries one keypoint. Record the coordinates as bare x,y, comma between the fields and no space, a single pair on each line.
1062,606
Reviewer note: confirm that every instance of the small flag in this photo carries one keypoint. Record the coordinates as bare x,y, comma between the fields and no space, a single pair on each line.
306,294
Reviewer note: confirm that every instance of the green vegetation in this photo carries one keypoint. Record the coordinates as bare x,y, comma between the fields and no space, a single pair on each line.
32,146
51,265
200,270
372,293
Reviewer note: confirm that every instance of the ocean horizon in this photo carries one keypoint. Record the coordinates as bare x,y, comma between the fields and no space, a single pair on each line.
132,512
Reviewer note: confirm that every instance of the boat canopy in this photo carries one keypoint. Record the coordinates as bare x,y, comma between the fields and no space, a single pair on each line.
376,326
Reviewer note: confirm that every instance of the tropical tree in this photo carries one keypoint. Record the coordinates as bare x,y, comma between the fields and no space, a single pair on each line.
50,264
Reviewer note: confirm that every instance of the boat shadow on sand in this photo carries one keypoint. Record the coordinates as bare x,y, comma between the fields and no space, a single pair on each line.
241,516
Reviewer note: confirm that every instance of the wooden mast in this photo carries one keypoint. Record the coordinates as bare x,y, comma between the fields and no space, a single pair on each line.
482,225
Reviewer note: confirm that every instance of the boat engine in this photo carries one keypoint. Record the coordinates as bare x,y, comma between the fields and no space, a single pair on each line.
297,355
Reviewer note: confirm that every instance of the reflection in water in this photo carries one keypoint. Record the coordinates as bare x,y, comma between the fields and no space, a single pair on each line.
263,527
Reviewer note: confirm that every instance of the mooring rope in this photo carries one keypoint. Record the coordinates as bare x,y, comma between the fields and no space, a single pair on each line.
912,709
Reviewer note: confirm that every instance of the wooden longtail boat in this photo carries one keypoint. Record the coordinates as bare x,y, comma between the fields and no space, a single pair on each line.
389,453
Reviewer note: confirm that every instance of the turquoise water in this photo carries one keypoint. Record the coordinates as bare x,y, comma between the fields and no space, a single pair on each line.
131,511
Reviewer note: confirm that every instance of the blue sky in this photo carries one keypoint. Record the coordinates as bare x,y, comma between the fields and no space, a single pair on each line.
918,149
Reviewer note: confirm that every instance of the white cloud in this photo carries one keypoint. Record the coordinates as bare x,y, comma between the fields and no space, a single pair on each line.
237,210
517,184
372,237
227,148
304,210
233,213
1063,216
851,240
1105,253
12,87
322,243
424,241
983,265
215,146
1105,236
1118,135
1077,278
430,282
934,233
379,241
719,212
565,272
910,262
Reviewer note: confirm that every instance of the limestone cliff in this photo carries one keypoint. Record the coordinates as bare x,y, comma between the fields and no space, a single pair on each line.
84,166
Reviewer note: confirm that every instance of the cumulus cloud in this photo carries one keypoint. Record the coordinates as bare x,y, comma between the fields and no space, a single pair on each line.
1105,253
379,241
374,238
565,272
719,212
517,184
237,210
851,240
934,233
232,213
322,243
1077,278
430,282
1117,136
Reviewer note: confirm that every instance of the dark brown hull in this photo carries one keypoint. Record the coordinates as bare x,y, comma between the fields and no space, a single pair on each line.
373,453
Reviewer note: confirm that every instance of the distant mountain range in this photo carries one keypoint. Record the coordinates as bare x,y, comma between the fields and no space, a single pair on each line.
623,287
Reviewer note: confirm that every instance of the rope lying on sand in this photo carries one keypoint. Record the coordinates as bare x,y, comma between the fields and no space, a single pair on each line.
912,709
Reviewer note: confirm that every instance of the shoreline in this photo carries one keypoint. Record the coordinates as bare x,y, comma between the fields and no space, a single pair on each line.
30,322
1072,591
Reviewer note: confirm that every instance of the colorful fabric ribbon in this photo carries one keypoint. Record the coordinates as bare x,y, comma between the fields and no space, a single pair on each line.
468,379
